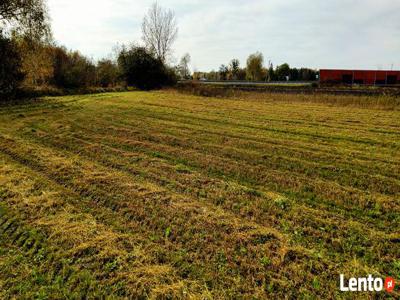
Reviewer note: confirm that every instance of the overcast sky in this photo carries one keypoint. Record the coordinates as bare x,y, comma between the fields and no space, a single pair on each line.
314,33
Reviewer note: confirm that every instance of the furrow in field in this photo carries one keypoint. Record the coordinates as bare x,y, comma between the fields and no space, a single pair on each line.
256,175
246,202
264,117
169,154
267,147
30,255
345,176
315,169
313,228
116,253
253,135
291,131
200,197
199,131
156,212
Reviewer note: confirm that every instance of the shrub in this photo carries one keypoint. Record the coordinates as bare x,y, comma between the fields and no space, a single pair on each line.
171,76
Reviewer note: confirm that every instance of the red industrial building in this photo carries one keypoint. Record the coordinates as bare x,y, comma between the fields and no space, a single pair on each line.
368,77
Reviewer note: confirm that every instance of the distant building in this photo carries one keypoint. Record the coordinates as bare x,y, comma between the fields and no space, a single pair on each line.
369,77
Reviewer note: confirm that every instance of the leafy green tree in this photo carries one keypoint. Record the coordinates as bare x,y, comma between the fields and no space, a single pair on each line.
37,61
107,73
255,66
10,67
294,74
307,74
26,17
72,70
81,72
282,71
142,69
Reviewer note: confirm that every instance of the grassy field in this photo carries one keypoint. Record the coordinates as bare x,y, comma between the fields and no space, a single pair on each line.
165,195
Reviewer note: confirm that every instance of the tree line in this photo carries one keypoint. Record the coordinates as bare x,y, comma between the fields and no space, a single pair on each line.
29,57
256,71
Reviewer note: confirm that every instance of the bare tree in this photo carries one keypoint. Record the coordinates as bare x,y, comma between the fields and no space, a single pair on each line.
183,67
234,68
159,30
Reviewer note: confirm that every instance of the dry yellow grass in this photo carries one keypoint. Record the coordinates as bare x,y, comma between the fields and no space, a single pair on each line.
163,195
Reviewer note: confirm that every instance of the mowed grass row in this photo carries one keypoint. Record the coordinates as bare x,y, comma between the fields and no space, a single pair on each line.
168,195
